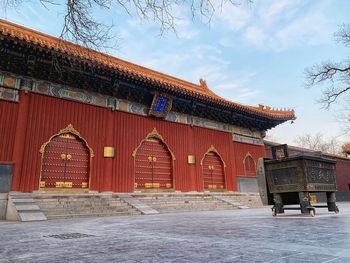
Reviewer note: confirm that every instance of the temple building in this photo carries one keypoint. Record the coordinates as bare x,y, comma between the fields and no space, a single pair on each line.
74,118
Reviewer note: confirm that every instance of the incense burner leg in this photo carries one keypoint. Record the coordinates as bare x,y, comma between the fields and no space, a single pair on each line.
332,207
304,202
278,203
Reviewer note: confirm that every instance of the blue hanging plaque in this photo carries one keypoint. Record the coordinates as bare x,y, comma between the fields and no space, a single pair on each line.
161,105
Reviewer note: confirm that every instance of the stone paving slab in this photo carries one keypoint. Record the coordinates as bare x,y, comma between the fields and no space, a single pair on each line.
248,235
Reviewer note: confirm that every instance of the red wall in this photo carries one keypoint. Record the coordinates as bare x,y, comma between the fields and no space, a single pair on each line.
241,150
343,175
8,121
43,116
182,140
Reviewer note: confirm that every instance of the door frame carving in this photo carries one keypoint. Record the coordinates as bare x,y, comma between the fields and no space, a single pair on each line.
69,129
213,149
155,135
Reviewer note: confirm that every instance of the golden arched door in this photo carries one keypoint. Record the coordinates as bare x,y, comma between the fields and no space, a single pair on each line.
153,165
213,171
65,163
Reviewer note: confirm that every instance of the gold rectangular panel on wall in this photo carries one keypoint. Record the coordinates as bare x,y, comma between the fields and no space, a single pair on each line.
84,185
191,159
108,152
68,184
152,185
42,184
59,184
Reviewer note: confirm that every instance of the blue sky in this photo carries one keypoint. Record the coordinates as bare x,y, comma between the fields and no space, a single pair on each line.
251,54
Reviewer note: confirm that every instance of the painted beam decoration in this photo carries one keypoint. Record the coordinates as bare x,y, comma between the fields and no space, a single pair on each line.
9,87
161,105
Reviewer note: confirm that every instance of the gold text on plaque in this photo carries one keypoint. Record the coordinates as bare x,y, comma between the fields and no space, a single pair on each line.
191,159
108,152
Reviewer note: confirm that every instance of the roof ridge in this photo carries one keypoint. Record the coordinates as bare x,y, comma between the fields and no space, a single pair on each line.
64,46
77,46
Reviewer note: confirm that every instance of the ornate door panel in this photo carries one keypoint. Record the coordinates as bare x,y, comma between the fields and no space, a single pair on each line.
144,165
53,165
213,172
77,164
65,163
153,165
162,168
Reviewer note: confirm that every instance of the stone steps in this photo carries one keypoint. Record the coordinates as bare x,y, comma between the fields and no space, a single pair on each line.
137,204
48,205
70,205
96,210
182,202
23,207
240,199
83,205
84,215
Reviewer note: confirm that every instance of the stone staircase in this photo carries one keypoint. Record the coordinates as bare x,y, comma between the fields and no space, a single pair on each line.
56,206
42,206
22,207
240,200
182,202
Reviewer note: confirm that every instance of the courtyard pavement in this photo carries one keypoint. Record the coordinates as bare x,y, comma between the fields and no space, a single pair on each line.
247,235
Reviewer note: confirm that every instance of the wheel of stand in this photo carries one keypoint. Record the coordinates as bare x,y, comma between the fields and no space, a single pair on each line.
336,210
274,212
312,212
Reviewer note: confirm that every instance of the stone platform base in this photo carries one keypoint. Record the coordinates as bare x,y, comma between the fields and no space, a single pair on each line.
3,205
59,205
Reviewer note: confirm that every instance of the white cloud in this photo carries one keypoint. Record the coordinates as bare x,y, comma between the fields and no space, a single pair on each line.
246,94
277,25
237,88
311,29
185,29
233,17
255,36
278,9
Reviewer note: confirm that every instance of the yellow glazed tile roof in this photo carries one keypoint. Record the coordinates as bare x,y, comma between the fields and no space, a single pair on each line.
198,90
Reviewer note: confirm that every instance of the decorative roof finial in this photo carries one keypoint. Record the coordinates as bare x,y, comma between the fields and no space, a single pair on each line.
346,148
203,83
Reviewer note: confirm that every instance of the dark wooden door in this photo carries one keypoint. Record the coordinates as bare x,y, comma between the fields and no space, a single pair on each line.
65,163
213,172
162,166
153,166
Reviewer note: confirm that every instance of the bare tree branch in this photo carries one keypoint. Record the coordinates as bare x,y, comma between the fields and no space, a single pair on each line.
317,142
343,35
333,77
82,27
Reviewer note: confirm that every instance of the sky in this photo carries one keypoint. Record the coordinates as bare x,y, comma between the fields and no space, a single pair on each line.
251,53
